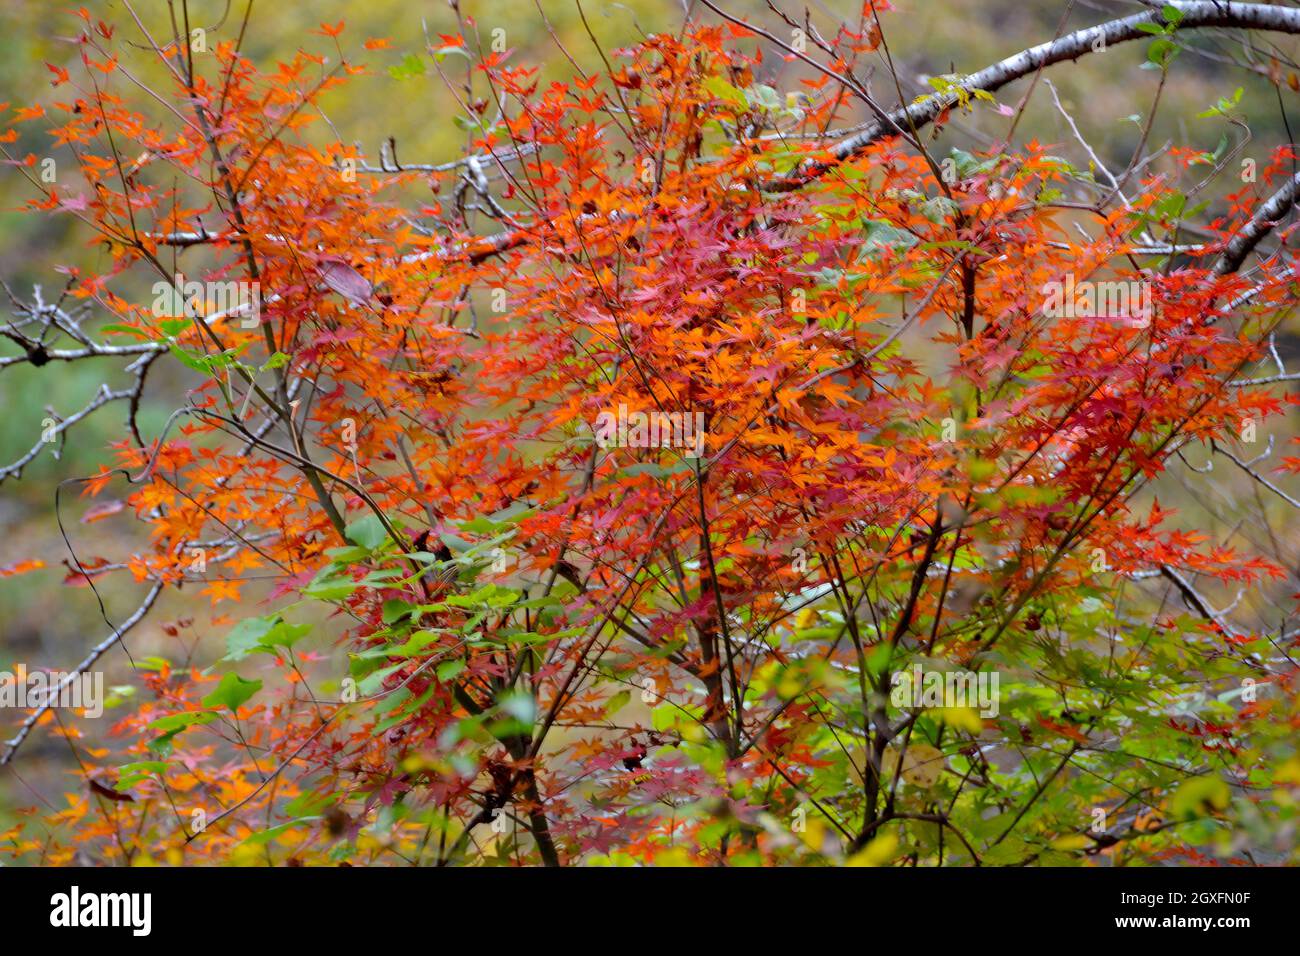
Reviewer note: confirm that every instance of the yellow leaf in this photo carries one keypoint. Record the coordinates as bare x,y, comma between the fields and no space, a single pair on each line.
1288,772
962,718
1075,841
814,834
876,853
675,856
693,732
922,764
789,686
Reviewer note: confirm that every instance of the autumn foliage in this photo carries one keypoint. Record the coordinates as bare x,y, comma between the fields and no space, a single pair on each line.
459,629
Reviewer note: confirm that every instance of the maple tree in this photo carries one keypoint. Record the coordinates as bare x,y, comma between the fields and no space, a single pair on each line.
854,438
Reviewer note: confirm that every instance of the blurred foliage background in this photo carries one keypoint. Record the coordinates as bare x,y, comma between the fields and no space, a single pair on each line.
45,622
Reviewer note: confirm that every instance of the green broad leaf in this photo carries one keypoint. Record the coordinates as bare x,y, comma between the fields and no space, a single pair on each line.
765,96
416,643
410,67
374,683
969,165
938,209
262,635
1011,851
522,707
247,637
328,588
1200,797
513,513
368,532
285,634
883,235
1225,105
191,360
490,595
448,670
130,774
1162,52
726,92
617,702
395,701
266,836
878,658
389,722
309,803
383,576
124,330
1172,206
349,555
173,725
458,545
408,708
118,695
664,717
232,693
395,609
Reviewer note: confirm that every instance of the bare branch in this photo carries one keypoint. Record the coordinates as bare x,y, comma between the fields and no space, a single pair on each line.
1261,224
95,654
